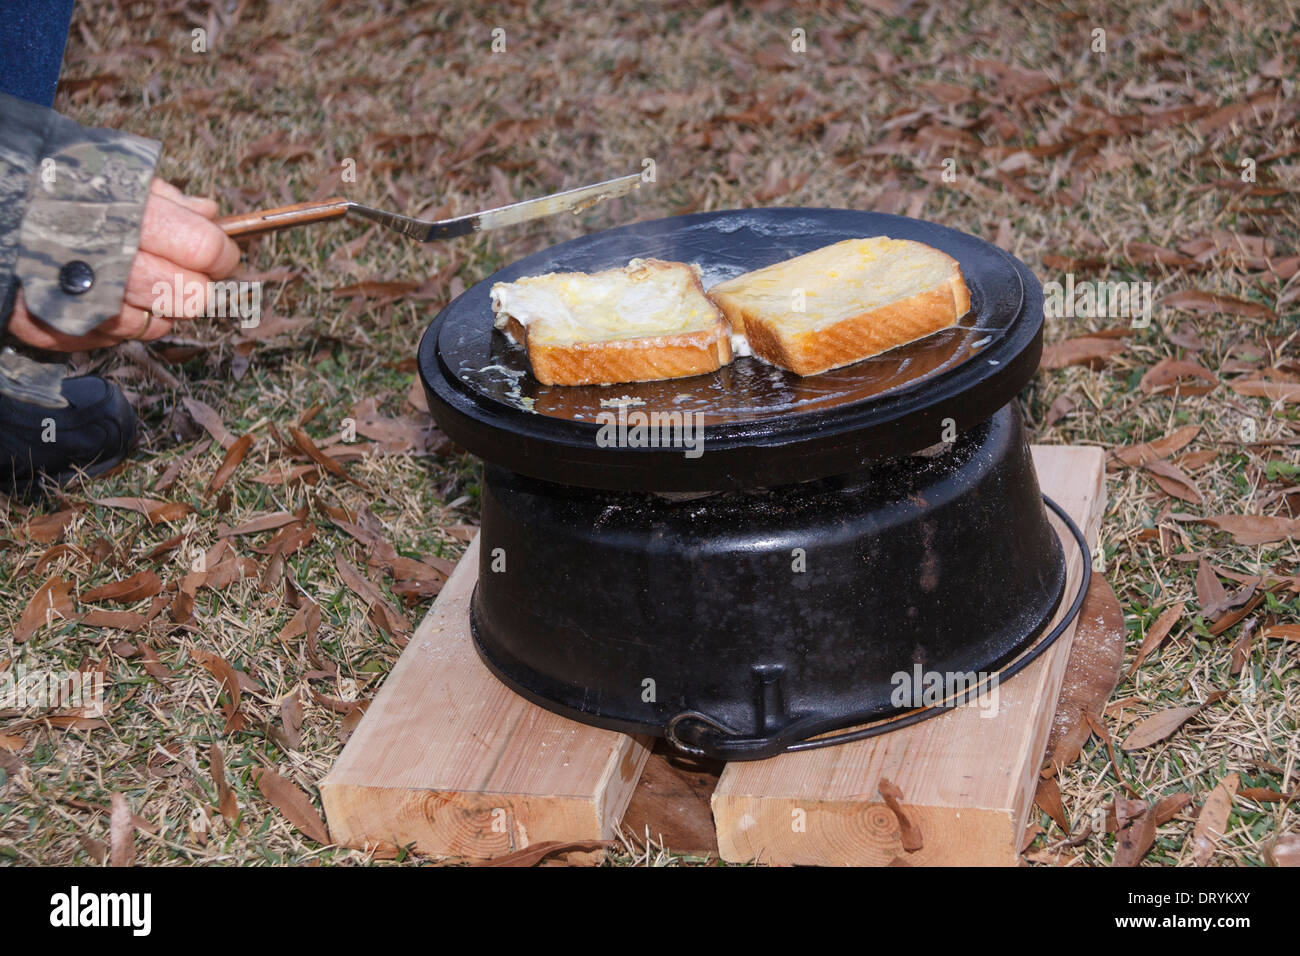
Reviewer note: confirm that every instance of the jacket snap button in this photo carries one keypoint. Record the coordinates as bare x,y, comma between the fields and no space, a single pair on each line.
76,277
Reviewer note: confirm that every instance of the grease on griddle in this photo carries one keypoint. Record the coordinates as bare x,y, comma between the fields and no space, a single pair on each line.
747,390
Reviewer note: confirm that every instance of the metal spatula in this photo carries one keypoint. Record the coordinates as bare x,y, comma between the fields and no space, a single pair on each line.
302,214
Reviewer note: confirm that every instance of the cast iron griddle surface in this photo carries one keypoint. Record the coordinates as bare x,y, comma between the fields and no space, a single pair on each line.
479,382
726,245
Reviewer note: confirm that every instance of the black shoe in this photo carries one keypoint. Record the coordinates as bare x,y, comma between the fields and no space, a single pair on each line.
89,436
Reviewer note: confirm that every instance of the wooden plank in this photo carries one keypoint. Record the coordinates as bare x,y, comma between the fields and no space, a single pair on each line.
448,759
967,781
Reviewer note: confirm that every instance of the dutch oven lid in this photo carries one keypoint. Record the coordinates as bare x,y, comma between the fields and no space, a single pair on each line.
762,426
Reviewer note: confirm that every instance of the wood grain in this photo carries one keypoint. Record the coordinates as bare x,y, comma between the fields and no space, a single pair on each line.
967,781
283,217
450,760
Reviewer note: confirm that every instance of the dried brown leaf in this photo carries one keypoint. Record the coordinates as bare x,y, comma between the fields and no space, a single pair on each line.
1084,350
46,529
221,669
351,720
1098,726
1157,634
1212,821
1174,481
290,539
121,833
234,456
57,553
207,417
1159,726
118,621
227,804
168,477
1137,455
292,801
1048,799
1209,591
93,848
1255,529
908,832
309,448
144,584
535,854
1265,795
1285,850
164,547
1093,670
360,585
1167,808
1134,841
152,666
266,522
51,602
152,508
1175,373
1210,303
291,718
1274,391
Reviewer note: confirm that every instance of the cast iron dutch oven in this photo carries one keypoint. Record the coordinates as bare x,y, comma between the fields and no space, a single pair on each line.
834,541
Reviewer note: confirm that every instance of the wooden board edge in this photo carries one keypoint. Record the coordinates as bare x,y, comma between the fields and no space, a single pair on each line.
474,826
851,833
623,773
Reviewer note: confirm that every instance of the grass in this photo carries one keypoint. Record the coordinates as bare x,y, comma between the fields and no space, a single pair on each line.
436,122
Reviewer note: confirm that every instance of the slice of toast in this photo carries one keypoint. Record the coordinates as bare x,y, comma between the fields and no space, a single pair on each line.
649,320
859,297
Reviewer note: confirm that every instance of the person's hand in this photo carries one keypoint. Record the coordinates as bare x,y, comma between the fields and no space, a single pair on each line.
177,237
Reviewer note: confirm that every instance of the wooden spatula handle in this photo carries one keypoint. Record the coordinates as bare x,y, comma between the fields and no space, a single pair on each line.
285,217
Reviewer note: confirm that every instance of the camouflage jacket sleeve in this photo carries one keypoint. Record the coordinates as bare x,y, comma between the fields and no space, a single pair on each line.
71,201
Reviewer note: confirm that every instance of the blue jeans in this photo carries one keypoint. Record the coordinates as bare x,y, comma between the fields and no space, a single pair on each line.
32,36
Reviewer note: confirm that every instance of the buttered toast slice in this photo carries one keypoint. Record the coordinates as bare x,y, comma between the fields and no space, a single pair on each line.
859,297
649,320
